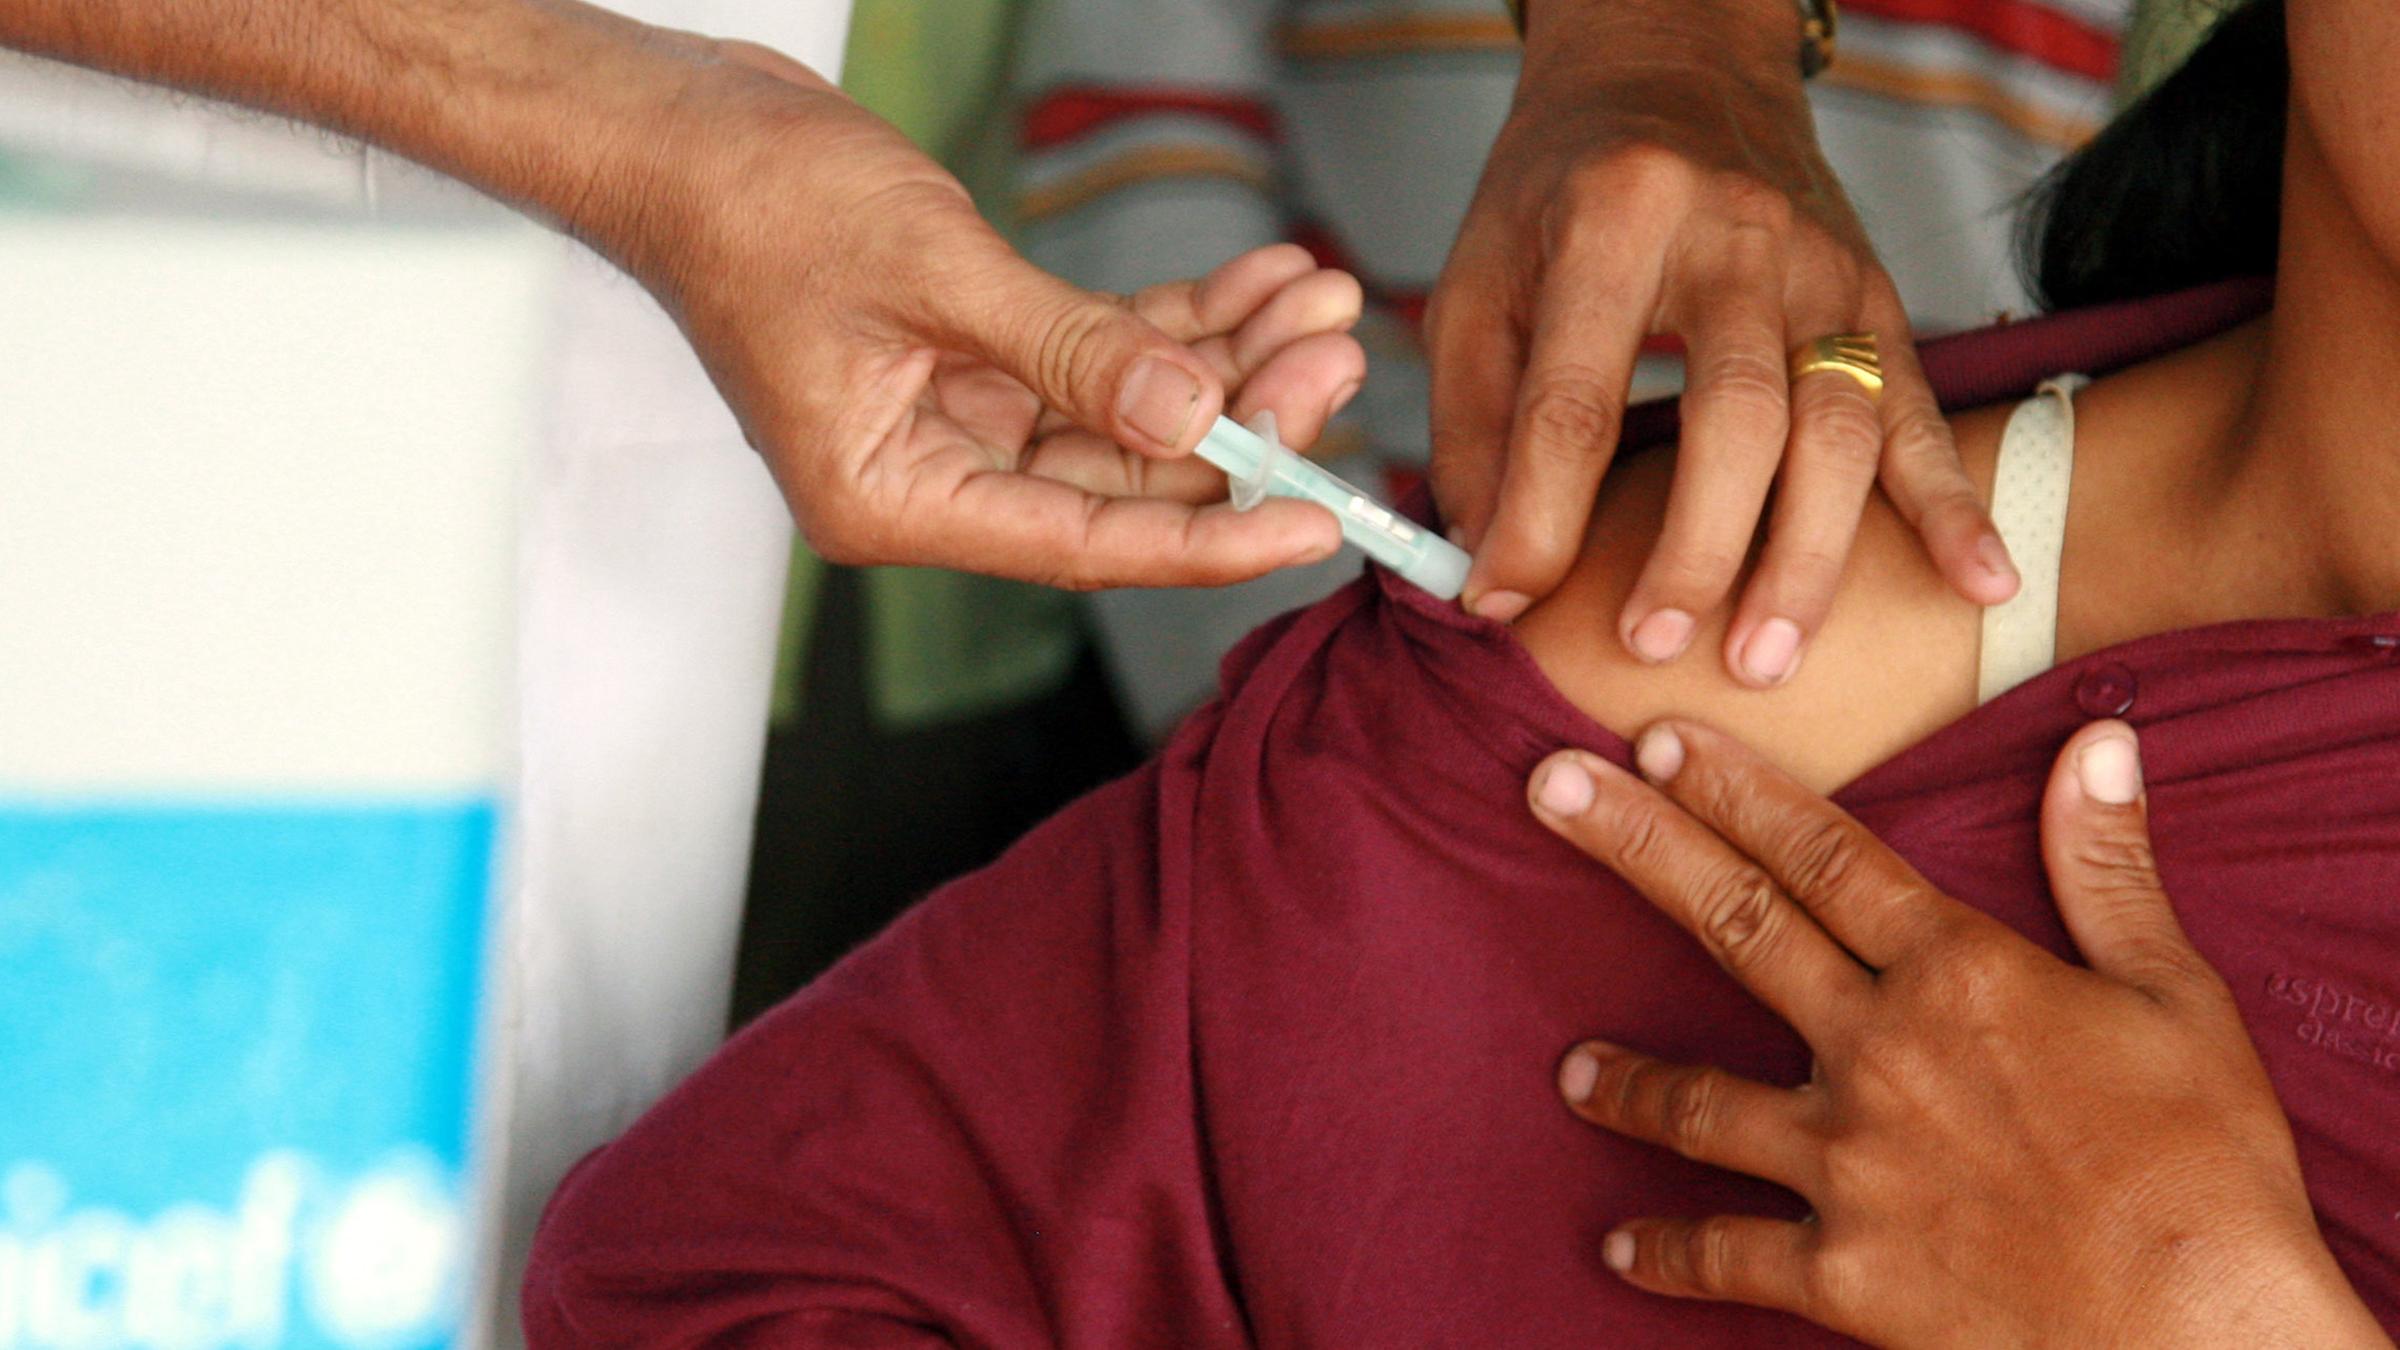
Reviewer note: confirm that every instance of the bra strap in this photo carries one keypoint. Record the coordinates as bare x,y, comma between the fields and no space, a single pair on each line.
2029,505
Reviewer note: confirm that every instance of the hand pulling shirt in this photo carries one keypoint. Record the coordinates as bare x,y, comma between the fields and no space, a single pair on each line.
1255,1047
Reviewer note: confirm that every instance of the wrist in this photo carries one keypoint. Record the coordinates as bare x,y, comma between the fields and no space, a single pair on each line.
2291,1296
637,140
706,161
560,110
1754,40
2309,1304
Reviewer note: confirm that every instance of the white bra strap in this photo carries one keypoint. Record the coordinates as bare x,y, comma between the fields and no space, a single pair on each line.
2029,504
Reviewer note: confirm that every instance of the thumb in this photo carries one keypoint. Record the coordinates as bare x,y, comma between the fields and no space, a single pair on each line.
2096,845
1090,357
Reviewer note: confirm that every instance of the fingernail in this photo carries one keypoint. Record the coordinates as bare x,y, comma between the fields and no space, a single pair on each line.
1772,651
1992,556
1566,788
1315,551
1618,1252
1158,400
1500,606
2110,769
1342,397
1576,1074
1659,754
1662,636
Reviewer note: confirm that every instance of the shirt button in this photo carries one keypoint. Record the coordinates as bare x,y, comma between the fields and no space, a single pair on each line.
2106,691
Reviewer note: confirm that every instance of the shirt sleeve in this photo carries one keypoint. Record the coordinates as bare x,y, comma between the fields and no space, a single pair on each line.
978,1129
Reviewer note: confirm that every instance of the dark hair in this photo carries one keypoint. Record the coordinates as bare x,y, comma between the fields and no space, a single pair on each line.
2184,187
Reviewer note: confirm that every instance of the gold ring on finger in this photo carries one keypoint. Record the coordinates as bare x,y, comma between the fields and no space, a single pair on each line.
1851,354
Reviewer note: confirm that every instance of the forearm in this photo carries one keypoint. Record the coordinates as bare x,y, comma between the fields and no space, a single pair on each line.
549,105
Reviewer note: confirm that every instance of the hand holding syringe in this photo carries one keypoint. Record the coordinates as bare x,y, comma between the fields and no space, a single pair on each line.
1258,466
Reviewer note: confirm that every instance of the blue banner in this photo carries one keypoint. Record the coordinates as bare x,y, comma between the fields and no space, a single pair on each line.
237,1070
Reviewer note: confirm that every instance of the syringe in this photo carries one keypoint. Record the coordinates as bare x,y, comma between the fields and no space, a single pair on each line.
1258,465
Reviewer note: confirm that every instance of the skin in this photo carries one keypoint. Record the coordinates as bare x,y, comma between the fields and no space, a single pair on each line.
922,394
1999,1148
2247,476
1659,173
925,396
2153,561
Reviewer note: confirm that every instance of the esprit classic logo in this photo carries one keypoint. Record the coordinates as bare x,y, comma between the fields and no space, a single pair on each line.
2342,1021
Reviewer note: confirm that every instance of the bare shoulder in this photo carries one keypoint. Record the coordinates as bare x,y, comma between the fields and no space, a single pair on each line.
1894,662
1896,659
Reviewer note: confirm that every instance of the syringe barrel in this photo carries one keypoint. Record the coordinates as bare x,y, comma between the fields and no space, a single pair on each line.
1400,544
1417,554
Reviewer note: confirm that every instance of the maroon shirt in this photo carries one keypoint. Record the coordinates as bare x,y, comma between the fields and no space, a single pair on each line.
1256,1045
